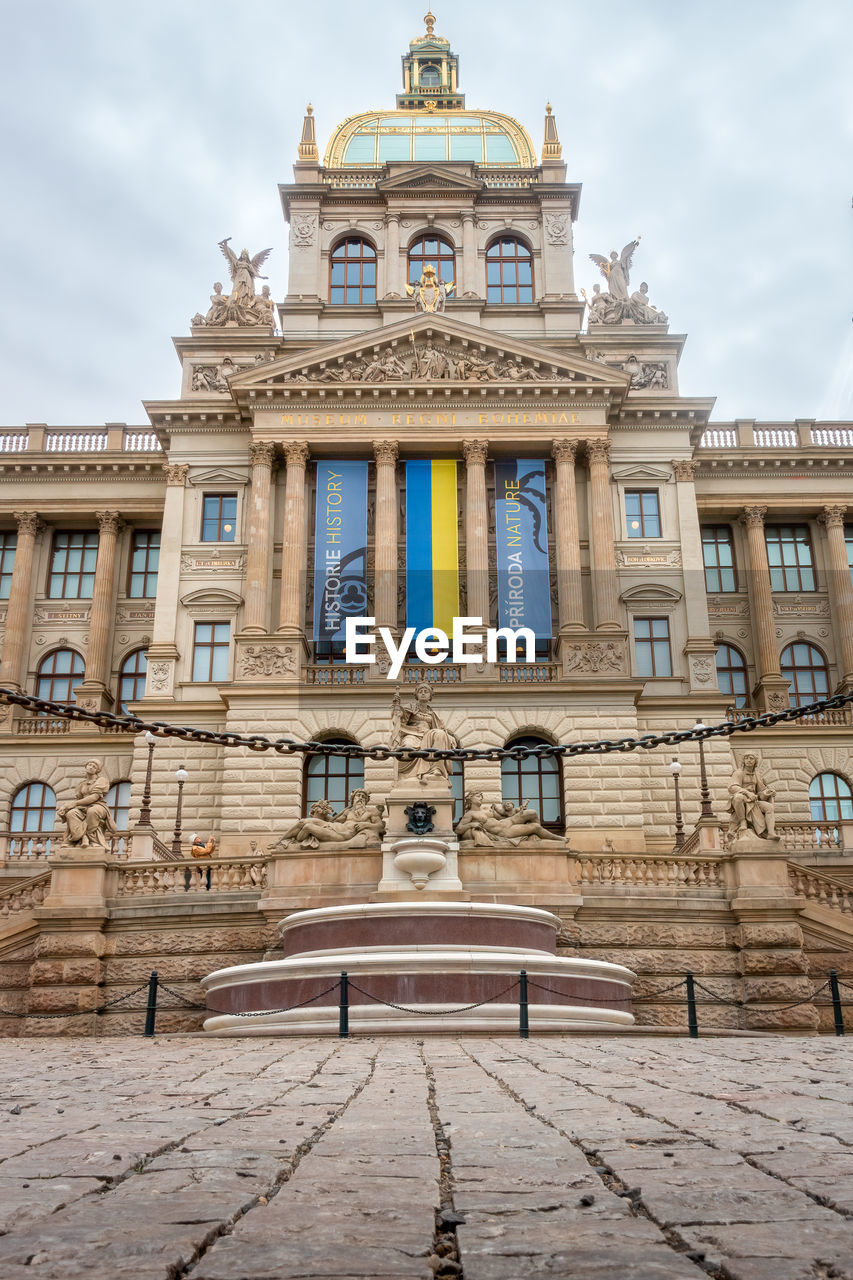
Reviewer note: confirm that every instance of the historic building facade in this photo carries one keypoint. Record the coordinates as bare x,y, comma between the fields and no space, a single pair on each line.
433,327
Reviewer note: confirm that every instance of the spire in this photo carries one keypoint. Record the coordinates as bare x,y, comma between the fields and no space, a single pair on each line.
308,145
552,148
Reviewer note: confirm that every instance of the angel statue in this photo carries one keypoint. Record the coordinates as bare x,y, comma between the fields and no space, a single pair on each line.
244,271
617,273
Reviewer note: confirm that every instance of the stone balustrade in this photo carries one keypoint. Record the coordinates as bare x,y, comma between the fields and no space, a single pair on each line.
25,846
144,879
630,872
115,438
442,673
327,673
820,890
529,672
24,897
40,726
833,717
811,837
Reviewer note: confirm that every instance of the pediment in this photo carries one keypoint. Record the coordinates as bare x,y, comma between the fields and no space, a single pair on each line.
217,596
216,475
642,472
424,351
651,593
431,177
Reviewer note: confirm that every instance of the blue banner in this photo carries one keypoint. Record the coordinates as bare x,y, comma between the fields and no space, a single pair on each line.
521,536
340,547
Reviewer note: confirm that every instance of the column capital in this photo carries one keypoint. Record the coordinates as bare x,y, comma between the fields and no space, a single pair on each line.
684,470
833,516
109,521
467,215
598,450
753,517
392,215
475,452
28,522
297,453
564,450
386,450
261,453
176,473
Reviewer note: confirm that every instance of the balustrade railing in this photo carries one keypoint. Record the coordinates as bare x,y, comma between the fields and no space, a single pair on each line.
832,717
26,846
142,879
772,435
24,897
811,837
718,438
75,441
442,673
651,872
96,441
839,437
40,726
141,442
327,673
14,441
821,890
529,672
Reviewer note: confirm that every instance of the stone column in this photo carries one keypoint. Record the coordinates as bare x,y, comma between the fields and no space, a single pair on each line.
470,263
292,609
385,535
95,683
772,690
162,652
699,648
392,254
840,588
259,548
567,537
602,540
19,606
477,529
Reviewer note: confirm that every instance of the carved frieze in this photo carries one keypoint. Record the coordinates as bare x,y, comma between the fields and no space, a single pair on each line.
44,615
127,614
557,227
430,361
161,677
633,555
595,656
703,669
801,606
303,229
267,660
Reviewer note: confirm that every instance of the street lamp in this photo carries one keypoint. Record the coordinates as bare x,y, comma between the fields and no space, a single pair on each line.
705,810
181,776
675,770
145,810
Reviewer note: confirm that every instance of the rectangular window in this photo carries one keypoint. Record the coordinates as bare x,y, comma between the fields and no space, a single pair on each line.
211,644
144,561
719,554
642,512
72,566
651,644
219,517
789,552
8,543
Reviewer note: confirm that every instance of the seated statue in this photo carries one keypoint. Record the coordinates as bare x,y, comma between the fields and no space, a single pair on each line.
359,825
751,802
503,823
420,727
88,821
642,311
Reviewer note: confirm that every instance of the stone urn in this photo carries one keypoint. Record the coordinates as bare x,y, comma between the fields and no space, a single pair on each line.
419,858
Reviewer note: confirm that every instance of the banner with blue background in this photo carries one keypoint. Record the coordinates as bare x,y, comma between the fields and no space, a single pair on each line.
521,536
340,547
432,555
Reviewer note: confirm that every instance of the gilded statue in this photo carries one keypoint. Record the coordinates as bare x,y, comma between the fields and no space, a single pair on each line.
87,819
430,294
418,726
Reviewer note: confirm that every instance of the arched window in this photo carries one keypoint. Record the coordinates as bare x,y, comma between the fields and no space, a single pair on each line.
331,777
131,679
538,779
731,674
436,251
804,666
352,272
59,674
117,801
830,798
509,271
33,808
430,76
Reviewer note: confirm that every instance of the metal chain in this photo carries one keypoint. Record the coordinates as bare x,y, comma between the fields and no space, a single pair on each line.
291,746
741,1004
78,1013
531,982
259,1013
433,1013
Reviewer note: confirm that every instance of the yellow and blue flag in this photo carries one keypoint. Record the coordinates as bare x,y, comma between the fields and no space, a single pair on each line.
432,556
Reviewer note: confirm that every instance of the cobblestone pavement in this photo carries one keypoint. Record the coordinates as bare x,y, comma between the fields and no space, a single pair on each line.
644,1158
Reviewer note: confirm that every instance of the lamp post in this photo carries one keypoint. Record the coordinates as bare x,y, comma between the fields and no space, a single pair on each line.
705,810
145,809
181,775
675,770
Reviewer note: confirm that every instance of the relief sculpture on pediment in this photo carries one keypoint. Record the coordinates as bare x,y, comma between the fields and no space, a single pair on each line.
429,361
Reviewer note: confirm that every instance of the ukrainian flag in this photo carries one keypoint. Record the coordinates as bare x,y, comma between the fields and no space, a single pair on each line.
432,558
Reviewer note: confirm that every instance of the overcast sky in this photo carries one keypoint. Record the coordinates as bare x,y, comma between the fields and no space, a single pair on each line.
138,136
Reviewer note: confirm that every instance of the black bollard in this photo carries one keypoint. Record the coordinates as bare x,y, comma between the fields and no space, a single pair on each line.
151,1011
523,1013
343,1011
837,1011
692,1024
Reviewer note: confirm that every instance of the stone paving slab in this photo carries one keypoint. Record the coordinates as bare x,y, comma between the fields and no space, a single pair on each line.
583,1158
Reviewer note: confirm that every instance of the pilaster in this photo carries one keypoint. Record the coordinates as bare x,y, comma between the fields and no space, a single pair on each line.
840,589
293,545
771,693
95,688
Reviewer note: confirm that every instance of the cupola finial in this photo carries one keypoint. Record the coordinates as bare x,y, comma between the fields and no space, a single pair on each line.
552,148
429,19
308,152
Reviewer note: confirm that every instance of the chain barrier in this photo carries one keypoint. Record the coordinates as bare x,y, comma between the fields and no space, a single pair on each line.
78,1013
433,1013
742,1004
257,1013
291,746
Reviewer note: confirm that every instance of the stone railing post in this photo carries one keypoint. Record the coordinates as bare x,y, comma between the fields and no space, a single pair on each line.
385,534
18,608
259,550
292,607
